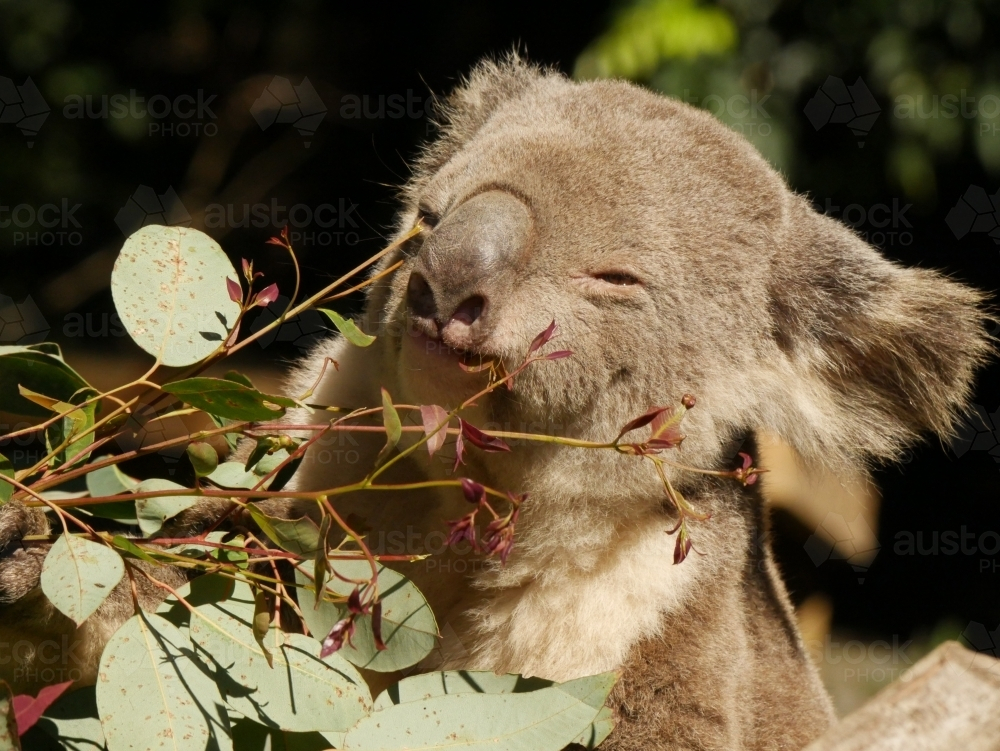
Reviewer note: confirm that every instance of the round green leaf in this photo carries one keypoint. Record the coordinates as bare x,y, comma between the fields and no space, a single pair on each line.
548,719
301,693
409,629
152,693
152,512
426,685
169,287
230,399
78,575
233,475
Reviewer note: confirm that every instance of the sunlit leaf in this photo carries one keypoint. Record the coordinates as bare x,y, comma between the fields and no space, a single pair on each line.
301,693
169,288
348,328
231,399
547,719
409,628
152,512
152,693
78,575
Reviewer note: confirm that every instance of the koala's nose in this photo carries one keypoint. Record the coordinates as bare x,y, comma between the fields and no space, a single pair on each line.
455,326
465,266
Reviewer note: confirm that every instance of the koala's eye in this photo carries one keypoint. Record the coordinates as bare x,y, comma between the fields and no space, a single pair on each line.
617,278
427,218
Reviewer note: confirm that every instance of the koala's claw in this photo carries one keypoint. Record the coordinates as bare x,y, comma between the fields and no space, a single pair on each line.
20,566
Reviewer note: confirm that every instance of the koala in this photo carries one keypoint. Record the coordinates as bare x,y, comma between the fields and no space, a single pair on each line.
675,261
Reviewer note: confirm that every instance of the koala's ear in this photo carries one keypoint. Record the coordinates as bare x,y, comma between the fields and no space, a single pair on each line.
461,114
874,354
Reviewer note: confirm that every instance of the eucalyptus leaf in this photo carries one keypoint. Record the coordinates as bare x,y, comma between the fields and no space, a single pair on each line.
252,736
299,536
409,629
112,481
393,427
301,693
169,288
78,575
202,590
109,480
70,724
233,475
547,719
40,368
153,693
348,328
426,685
77,421
7,470
229,399
152,512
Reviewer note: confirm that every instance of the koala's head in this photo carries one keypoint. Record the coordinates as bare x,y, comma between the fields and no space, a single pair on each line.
675,260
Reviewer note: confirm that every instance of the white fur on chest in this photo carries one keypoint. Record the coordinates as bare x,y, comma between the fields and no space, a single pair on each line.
572,622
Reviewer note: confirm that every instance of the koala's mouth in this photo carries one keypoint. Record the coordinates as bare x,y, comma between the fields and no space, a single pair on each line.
428,342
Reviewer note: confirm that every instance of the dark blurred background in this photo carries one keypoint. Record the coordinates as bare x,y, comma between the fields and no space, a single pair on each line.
236,117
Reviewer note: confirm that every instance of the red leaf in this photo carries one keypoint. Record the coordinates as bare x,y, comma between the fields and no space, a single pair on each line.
267,295
247,268
29,709
474,492
643,419
559,354
666,432
459,452
681,548
480,440
433,416
377,626
354,602
235,291
275,241
542,339
342,631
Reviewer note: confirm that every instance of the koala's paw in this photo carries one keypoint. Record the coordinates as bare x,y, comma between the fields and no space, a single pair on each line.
20,566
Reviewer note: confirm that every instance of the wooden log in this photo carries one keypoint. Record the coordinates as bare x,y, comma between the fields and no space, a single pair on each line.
948,701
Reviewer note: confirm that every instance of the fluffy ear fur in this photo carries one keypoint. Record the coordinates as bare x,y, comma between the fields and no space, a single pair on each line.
878,354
